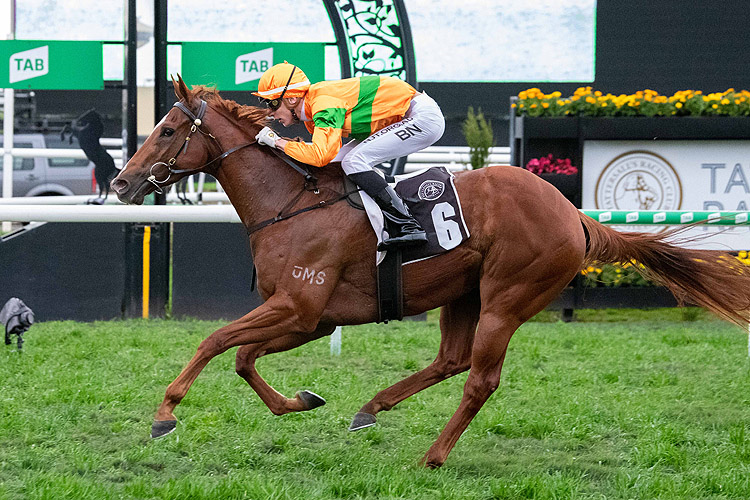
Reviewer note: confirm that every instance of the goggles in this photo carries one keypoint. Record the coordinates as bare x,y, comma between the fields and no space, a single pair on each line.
275,104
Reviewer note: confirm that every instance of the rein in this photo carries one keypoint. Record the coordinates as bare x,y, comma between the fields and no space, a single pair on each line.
311,182
282,216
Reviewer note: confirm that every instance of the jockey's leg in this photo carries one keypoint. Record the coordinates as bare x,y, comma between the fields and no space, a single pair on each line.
422,125
402,228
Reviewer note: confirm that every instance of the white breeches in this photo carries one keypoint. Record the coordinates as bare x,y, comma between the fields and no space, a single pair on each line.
422,125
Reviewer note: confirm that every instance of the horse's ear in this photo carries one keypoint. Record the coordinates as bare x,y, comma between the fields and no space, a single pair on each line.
180,89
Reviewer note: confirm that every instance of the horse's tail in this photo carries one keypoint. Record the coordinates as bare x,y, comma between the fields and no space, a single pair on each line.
712,279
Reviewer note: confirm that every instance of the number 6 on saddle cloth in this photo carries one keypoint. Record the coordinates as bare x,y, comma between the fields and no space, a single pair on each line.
433,201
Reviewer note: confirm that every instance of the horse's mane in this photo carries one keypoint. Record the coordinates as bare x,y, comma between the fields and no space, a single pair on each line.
251,114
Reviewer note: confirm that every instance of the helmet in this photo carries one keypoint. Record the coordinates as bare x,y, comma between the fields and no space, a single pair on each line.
282,80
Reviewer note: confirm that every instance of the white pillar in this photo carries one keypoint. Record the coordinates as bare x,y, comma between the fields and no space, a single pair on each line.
9,112
336,341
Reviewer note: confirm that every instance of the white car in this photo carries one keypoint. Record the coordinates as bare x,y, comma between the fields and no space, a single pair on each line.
50,176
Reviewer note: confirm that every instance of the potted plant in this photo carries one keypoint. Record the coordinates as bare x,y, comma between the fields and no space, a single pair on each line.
478,133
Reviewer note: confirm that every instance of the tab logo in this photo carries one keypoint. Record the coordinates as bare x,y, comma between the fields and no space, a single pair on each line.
29,64
251,66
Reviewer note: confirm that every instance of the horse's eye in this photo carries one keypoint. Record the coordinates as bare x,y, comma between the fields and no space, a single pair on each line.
167,132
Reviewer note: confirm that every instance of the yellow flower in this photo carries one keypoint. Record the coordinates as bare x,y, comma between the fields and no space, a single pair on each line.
545,105
678,105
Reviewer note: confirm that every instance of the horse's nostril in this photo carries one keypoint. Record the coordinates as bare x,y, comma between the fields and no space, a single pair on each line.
120,185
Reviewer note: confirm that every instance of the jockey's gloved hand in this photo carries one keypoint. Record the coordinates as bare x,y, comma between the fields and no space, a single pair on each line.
267,136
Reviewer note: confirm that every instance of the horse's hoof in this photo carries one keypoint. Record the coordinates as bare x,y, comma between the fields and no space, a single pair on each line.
310,399
162,427
362,420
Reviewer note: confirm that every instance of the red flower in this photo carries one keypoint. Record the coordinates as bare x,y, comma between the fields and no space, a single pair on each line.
551,165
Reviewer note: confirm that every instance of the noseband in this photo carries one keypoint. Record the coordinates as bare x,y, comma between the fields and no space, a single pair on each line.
196,126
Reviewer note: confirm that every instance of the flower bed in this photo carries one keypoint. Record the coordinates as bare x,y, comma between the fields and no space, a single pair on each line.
588,102
551,165
626,274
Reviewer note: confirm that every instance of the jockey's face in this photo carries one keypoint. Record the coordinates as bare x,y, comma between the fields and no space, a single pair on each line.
284,113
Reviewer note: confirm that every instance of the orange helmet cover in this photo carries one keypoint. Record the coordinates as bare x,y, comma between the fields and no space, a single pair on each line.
274,81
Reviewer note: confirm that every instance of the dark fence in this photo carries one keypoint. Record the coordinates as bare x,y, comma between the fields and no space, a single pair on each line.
94,271
65,271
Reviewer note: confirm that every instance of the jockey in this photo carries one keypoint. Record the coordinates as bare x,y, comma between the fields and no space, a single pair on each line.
385,117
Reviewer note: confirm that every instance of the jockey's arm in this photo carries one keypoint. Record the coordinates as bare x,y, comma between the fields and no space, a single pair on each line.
326,139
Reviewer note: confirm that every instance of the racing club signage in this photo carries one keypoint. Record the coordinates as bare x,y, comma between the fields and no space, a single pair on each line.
669,175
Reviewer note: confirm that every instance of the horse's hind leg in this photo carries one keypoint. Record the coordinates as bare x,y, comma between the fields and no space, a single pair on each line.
458,322
276,402
490,345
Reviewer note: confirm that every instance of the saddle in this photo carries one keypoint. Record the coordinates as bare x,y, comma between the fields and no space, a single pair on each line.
433,201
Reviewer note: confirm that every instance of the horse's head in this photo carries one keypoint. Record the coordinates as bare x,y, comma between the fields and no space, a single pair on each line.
180,145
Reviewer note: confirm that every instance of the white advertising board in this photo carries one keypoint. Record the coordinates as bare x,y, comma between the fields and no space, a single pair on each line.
671,175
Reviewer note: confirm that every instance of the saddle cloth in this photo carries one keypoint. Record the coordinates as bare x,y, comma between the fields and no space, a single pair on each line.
432,199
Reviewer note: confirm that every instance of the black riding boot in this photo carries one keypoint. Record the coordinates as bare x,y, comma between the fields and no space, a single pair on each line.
403,229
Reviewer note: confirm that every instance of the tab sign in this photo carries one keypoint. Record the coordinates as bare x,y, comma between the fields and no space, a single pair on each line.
29,64
251,66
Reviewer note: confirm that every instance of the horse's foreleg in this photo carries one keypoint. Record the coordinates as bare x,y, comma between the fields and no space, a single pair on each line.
490,345
277,402
458,322
273,319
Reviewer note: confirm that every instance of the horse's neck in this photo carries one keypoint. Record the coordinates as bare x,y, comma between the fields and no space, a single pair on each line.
258,184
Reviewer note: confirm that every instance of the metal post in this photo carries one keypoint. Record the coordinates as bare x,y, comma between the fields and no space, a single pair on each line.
160,71
410,65
342,41
130,94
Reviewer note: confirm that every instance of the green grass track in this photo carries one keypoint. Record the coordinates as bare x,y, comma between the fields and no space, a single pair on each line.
620,405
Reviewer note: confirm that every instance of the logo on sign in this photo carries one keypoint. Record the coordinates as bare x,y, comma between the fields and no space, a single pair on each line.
29,64
639,180
249,67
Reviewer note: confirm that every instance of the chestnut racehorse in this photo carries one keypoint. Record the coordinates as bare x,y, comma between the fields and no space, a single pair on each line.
527,243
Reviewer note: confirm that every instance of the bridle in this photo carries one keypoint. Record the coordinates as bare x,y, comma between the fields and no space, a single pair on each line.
196,126
310,180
